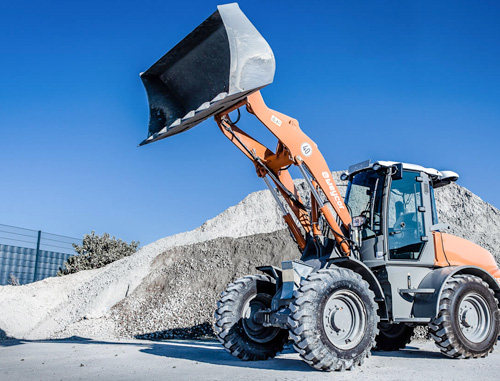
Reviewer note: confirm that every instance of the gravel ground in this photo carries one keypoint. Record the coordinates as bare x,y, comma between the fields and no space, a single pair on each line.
206,360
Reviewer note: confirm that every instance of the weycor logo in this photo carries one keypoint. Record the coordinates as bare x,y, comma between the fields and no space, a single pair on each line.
333,190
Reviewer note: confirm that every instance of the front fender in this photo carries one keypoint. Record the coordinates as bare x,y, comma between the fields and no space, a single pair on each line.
363,270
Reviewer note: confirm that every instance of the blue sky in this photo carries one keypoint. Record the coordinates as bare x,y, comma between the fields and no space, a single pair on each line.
387,80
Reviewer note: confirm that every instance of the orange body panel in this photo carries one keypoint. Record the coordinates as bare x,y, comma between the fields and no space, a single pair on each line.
454,251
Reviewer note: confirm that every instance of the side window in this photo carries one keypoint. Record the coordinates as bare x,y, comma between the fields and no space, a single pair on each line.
435,219
405,222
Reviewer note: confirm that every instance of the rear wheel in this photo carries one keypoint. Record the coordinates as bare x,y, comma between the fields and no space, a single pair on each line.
393,337
468,321
235,325
334,319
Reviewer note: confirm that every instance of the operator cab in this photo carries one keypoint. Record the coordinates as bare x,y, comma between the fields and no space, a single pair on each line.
396,204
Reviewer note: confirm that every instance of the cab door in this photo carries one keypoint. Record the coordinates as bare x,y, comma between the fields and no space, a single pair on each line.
405,217
410,253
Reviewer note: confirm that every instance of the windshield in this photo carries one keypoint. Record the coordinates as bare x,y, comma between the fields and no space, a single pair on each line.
364,198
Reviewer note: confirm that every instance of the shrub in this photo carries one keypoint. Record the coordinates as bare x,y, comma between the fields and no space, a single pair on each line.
97,251
14,280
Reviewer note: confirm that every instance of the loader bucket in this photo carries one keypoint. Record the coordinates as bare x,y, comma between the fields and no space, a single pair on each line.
216,66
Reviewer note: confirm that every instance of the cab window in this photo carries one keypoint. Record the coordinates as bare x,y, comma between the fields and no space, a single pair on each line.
364,198
405,222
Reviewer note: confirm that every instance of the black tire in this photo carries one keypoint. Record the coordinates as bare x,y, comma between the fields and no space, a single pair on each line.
467,324
234,326
325,340
393,337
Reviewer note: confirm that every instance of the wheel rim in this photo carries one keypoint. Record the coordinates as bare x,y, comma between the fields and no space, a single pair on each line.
255,330
344,319
474,318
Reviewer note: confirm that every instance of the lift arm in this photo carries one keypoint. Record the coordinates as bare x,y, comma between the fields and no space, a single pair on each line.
293,148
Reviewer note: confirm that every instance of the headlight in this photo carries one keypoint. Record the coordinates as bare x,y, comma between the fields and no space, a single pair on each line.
358,221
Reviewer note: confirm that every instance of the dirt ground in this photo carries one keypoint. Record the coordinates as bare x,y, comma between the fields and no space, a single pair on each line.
84,359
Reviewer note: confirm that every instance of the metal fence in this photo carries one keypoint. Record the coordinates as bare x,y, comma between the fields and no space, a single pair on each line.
31,255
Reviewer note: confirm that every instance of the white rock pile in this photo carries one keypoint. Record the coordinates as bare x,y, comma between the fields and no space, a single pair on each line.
169,287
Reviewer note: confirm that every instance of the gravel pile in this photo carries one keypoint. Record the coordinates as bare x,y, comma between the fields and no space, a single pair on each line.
469,217
168,289
184,283
79,304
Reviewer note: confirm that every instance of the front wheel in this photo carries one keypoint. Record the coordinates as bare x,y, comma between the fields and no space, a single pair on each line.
334,319
235,324
467,324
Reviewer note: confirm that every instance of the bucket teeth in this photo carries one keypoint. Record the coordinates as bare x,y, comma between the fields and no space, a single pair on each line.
189,115
204,106
176,123
218,98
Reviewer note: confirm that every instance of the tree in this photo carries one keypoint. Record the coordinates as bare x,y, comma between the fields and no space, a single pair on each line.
97,251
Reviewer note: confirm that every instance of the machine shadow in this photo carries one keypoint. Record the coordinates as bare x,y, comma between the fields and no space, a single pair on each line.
213,353
416,353
209,352
412,352
11,341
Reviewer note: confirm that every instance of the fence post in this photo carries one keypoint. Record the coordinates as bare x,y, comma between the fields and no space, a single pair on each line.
37,255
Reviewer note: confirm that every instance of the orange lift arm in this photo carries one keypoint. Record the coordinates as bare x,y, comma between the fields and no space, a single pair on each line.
294,148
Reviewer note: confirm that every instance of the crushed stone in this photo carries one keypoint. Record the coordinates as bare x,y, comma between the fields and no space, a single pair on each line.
170,286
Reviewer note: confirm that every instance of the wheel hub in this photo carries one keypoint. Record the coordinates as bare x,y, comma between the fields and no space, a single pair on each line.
254,329
474,318
344,319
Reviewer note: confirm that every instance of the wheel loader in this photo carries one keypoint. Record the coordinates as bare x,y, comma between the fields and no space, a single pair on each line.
373,266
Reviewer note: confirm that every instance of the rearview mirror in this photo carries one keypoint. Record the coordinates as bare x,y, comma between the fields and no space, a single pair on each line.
397,171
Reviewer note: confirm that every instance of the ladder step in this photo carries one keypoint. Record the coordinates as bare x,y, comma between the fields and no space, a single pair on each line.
417,290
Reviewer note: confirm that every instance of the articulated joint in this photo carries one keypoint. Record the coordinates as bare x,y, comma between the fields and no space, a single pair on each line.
269,318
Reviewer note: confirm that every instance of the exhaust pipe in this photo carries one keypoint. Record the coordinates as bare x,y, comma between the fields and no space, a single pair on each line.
217,65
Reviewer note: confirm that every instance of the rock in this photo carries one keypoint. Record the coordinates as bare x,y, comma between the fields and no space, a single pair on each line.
168,289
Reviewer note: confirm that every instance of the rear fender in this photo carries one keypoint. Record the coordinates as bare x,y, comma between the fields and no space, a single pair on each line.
426,305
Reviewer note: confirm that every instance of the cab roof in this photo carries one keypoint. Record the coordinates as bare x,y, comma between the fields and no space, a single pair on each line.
439,178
